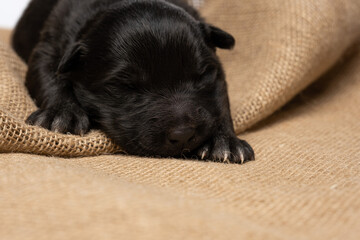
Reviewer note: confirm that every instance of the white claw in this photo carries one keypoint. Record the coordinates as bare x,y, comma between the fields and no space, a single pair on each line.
241,153
203,155
226,158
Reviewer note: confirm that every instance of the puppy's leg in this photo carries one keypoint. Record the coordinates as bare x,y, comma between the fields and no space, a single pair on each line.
224,146
59,109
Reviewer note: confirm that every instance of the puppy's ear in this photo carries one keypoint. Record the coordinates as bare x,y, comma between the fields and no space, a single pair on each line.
216,37
72,58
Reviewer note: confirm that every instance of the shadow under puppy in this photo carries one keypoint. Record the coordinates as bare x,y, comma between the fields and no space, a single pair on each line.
143,71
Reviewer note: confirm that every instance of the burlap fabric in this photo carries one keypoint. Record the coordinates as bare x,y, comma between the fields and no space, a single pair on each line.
305,183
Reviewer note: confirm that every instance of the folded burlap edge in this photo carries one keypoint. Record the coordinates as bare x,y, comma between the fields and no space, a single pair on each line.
16,136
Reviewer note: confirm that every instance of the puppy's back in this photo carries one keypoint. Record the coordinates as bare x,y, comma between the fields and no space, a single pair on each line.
27,31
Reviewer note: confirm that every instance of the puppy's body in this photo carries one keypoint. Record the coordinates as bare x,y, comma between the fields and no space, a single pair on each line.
143,71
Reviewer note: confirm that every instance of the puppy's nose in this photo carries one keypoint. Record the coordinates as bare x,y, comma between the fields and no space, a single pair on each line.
181,136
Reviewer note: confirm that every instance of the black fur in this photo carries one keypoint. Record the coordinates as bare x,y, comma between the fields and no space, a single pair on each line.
143,71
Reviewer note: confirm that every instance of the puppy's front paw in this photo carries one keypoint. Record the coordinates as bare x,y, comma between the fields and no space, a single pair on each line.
65,119
227,149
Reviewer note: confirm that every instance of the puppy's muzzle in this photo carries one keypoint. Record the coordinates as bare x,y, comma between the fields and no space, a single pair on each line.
181,136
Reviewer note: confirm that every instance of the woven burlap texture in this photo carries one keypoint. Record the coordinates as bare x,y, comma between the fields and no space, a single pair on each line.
305,183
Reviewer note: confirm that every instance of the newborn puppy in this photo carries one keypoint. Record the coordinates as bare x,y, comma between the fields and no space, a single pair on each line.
143,71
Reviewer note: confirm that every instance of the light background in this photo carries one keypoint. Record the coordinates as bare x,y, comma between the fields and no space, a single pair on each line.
10,12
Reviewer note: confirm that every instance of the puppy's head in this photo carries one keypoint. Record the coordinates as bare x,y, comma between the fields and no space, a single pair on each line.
148,75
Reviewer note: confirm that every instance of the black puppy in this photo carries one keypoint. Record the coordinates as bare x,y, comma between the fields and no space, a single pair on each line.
143,71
